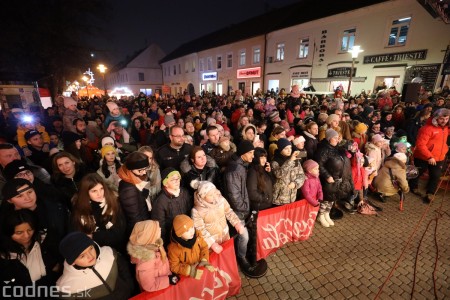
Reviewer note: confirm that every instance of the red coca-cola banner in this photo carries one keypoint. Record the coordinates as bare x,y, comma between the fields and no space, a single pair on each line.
220,284
280,225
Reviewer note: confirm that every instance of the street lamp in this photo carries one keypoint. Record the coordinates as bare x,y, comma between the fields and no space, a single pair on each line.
102,68
355,52
85,79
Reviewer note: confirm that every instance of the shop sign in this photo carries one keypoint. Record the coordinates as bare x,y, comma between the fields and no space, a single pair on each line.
428,73
209,76
249,73
341,72
322,45
300,74
399,56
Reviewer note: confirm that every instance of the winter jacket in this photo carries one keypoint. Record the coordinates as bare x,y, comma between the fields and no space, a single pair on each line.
323,130
181,258
360,139
167,156
383,181
259,198
21,135
377,154
209,173
310,144
151,269
134,198
113,180
211,219
333,162
166,207
221,156
312,190
287,172
69,186
431,141
235,186
109,278
68,117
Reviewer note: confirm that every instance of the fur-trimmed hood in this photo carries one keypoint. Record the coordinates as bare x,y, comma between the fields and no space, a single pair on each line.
144,253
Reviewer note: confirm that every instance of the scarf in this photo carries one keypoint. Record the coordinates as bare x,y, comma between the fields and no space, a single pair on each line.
186,244
33,261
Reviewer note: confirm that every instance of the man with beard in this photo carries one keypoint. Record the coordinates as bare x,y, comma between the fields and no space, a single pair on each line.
172,201
36,145
89,139
173,153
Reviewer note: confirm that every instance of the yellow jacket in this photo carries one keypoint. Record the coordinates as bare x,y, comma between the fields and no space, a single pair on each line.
21,135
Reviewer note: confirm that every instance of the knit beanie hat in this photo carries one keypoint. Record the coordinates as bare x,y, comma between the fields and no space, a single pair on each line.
202,187
181,224
136,161
401,157
399,146
298,140
377,138
107,140
145,233
283,143
168,118
68,101
274,116
167,173
106,149
73,245
310,164
244,147
111,105
69,137
332,118
331,133
361,128
15,167
11,189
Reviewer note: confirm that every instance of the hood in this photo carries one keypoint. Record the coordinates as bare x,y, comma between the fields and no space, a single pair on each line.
394,163
144,253
199,202
370,146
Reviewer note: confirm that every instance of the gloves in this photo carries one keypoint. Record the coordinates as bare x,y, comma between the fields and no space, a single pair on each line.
205,263
216,248
195,273
240,228
173,279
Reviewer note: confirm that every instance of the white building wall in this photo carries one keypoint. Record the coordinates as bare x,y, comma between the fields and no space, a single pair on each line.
372,30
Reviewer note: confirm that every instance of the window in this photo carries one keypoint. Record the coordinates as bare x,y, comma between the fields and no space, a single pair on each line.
174,70
219,62
229,60
193,65
280,52
141,76
304,48
256,55
399,31
179,68
201,65
348,40
186,66
209,63
242,57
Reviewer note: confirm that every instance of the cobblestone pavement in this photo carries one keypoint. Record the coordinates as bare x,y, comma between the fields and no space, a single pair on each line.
353,259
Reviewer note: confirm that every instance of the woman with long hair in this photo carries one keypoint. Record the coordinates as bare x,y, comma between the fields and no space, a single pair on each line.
96,212
27,258
73,145
67,173
153,173
139,131
109,165
260,181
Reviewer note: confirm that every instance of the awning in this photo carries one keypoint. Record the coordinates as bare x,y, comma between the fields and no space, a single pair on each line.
328,79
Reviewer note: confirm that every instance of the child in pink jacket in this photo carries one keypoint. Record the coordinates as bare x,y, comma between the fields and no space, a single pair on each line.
311,188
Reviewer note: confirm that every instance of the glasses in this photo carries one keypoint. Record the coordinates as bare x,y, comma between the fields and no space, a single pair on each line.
24,174
143,169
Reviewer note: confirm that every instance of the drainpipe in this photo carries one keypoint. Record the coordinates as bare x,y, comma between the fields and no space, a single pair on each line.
264,65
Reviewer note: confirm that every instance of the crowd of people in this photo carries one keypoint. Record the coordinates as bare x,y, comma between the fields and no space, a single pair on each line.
118,196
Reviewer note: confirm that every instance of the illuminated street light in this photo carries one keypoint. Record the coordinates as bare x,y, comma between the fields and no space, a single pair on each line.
102,68
86,79
355,52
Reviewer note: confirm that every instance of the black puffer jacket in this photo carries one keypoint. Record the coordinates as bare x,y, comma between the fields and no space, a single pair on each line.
209,173
333,162
235,186
167,156
310,144
259,198
133,203
167,207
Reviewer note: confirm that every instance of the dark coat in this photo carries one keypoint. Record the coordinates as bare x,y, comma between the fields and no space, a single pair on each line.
167,156
167,207
333,162
235,186
133,203
209,173
310,145
259,199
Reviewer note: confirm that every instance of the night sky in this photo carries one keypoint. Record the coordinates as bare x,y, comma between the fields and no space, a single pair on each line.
170,23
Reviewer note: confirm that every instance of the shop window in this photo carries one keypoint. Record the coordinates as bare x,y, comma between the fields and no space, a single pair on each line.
348,40
399,32
280,52
304,48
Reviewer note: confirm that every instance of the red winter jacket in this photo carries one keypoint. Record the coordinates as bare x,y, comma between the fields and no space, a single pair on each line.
431,141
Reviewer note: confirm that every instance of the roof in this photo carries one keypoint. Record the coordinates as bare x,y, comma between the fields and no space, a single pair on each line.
298,13
123,64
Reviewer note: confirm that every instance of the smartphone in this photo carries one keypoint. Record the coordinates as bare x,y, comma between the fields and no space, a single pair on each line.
257,138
